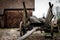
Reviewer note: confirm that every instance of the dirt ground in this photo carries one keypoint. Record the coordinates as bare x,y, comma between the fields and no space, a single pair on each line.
13,34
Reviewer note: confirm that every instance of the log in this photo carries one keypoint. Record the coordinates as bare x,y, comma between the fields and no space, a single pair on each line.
34,19
28,34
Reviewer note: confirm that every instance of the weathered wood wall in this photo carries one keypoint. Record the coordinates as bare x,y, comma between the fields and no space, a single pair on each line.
12,18
15,4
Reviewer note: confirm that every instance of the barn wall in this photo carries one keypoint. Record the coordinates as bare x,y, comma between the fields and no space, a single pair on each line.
15,4
12,18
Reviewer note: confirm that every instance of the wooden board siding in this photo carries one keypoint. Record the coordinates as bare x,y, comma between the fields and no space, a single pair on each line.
16,3
13,4
12,18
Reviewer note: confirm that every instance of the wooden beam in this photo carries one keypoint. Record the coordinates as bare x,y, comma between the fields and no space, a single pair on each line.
19,9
